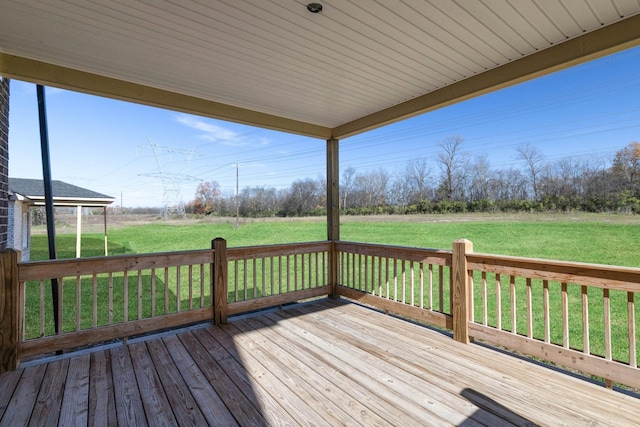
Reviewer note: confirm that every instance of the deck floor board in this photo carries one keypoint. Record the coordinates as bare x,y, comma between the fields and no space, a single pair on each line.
326,363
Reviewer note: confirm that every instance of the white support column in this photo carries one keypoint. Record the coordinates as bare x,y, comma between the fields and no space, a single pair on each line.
106,246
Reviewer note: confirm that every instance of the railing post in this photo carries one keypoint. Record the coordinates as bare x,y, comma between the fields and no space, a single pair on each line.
219,280
10,323
461,290
333,269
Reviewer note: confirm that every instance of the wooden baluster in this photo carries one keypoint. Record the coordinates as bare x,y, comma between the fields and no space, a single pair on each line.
125,297
190,287
529,309
470,297
412,278
110,298
607,330
430,289
264,278
153,292
441,288
386,272
166,290
178,290
421,272
235,279
631,318
94,288
404,280
366,273
255,278
42,308
139,294
485,316
586,345
498,303
546,309
565,316
279,275
201,287
512,291
78,301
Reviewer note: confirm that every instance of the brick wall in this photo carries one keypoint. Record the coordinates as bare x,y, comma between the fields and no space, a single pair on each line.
4,160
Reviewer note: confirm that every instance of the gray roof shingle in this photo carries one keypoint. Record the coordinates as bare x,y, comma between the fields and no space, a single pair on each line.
34,188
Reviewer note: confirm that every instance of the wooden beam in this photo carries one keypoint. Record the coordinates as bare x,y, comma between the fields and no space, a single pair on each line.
333,190
46,74
604,41
333,210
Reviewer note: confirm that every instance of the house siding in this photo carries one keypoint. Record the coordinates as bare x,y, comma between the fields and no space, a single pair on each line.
4,161
19,231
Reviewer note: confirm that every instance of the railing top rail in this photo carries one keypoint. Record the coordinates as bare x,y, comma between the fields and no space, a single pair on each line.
598,275
426,255
250,252
38,270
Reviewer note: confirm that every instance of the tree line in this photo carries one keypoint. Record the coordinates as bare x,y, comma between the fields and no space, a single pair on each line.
453,181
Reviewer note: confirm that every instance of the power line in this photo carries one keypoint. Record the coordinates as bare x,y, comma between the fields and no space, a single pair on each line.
171,182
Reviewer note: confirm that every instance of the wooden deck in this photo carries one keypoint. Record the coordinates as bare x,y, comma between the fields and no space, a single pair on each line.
326,363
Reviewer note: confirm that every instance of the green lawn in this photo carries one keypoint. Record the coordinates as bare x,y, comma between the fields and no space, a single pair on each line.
589,238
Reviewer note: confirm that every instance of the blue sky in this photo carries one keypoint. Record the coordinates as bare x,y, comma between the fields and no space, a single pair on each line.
106,145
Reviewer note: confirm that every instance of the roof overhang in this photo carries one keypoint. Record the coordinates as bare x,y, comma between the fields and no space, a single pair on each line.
62,201
241,63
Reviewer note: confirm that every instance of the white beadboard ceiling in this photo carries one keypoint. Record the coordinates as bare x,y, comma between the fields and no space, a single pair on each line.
322,72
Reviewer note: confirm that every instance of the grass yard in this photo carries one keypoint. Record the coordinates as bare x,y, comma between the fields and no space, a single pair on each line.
601,239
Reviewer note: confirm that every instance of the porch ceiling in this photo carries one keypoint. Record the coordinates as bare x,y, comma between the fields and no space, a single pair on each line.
357,65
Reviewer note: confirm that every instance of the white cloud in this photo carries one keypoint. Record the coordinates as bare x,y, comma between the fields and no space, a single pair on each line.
219,134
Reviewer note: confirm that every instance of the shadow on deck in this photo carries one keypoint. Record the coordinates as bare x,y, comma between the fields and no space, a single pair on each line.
330,362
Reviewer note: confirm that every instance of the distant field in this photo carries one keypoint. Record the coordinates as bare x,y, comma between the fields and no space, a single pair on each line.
604,239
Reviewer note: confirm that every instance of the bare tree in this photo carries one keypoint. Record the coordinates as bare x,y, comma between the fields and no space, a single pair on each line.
346,185
535,164
479,179
452,162
370,188
417,177
303,197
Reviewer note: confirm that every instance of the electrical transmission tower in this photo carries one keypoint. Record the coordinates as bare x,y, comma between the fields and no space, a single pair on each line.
172,203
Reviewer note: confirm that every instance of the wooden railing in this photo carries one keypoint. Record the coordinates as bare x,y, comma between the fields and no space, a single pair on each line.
101,299
581,316
268,276
412,282
107,298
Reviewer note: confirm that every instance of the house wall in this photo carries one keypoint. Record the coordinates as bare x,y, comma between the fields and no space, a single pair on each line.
19,226
4,160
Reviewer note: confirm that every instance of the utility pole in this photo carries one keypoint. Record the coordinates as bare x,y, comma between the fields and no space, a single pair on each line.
237,194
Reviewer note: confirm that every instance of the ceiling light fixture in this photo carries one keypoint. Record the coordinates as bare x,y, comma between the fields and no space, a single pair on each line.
314,7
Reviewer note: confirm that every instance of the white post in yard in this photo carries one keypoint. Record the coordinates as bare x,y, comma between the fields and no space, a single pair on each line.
78,229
